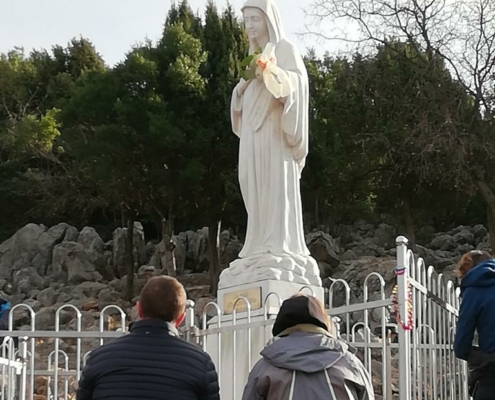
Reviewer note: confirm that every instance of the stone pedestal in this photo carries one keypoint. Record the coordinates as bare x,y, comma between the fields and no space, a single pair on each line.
236,351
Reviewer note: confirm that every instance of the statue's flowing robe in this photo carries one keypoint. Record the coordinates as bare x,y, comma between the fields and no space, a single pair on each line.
273,148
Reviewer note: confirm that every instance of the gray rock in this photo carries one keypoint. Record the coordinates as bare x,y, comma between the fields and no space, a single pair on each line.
363,226
163,258
230,247
197,292
26,280
109,296
63,298
71,264
427,255
119,249
349,255
88,289
365,249
138,285
443,241
87,321
384,236
484,244
119,246
464,237
464,248
324,248
196,250
31,246
94,246
442,263
71,235
194,280
326,270
180,252
47,297
147,271
115,284
34,304
479,231
45,318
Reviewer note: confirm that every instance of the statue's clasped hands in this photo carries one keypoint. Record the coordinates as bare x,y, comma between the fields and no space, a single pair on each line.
266,69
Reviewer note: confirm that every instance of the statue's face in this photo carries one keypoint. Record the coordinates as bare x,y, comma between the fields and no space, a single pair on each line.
255,23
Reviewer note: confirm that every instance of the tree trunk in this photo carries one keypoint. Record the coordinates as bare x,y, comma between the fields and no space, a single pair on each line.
489,198
213,252
168,259
129,249
317,213
408,220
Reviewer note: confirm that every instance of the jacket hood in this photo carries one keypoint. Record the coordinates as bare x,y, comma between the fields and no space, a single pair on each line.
480,276
293,312
306,352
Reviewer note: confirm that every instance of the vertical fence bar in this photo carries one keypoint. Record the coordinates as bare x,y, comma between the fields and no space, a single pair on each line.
387,383
234,341
23,352
204,337
32,315
402,271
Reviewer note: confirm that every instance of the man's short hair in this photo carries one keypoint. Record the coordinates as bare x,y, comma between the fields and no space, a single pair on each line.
163,297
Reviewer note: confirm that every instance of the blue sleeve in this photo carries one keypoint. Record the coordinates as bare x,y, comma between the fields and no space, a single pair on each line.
466,324
86,383
211,389
4,320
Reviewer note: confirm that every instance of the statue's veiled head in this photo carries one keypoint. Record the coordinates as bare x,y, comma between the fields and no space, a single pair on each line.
263,22
256,25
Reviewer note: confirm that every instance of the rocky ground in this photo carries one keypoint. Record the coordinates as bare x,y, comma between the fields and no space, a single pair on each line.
49,267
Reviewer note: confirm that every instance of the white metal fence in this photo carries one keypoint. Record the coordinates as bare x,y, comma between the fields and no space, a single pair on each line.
428,367
403,336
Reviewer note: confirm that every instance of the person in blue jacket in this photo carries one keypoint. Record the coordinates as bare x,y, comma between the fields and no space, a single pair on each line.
4,314
477,313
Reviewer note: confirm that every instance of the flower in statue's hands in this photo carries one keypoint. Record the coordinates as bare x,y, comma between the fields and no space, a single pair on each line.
264,61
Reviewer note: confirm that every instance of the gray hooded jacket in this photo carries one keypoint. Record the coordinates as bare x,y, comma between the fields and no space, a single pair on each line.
306,365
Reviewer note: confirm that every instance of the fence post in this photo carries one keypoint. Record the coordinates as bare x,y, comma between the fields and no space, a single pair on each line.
189,322
402,273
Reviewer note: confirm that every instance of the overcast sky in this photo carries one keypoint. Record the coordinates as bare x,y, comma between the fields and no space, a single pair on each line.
114,25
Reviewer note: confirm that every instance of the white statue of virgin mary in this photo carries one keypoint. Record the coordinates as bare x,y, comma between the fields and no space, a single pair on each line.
273,136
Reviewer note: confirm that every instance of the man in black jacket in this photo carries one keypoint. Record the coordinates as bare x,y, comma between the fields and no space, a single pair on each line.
151,362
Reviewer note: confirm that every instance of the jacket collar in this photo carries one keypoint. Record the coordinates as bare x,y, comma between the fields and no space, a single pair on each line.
331,340
308,328
154,326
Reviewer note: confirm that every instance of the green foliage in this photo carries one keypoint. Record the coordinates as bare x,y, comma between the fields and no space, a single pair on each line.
30,134
33,90
248,65
151,138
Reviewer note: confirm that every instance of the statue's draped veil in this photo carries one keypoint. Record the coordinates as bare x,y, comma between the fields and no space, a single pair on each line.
295,116
273,19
